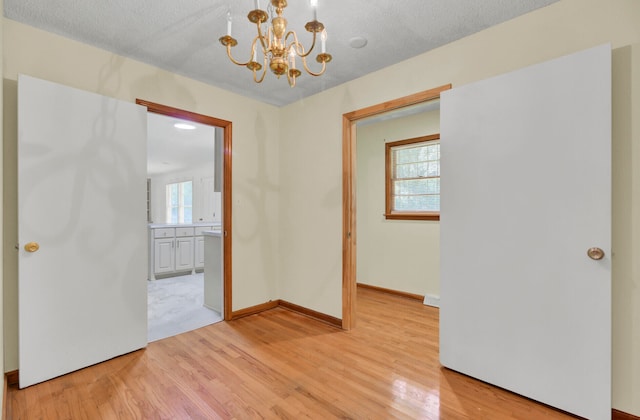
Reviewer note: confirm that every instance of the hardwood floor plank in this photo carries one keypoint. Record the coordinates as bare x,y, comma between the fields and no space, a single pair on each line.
280,364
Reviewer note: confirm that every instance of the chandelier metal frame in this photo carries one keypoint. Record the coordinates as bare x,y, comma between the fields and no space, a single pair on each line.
278,47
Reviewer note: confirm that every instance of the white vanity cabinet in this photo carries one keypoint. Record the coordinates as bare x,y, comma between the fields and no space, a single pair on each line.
171,250
162,250
164,255
184,249
176,249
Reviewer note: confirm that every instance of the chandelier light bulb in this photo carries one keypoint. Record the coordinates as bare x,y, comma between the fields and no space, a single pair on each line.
323,40
292,58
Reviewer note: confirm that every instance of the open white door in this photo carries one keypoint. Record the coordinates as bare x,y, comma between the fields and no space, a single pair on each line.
526,191
81,199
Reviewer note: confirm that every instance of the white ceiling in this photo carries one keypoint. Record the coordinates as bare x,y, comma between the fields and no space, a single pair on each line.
170,149
182,36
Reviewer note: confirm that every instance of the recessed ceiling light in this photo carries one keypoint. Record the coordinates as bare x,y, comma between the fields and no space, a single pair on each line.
358,42
184,126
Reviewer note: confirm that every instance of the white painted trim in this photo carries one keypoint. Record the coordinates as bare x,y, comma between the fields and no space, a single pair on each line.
432,300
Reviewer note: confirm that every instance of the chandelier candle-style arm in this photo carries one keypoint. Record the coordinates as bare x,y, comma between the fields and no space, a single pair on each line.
279,47
229,42
266,46
321,72
298,46
254,66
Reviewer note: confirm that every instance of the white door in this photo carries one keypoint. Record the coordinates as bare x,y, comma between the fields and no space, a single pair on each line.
526,191
81,199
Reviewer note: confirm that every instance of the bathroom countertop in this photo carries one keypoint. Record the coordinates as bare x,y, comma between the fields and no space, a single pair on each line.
170,225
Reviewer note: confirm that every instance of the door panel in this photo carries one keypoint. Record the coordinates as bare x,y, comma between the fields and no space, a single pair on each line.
81,197
526,191
164,255
184,253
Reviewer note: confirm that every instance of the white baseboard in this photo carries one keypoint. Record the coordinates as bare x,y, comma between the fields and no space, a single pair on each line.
432,300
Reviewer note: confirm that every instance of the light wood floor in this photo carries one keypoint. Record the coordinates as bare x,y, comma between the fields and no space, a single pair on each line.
280,364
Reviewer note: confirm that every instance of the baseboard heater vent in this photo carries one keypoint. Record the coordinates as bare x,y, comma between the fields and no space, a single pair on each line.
432,300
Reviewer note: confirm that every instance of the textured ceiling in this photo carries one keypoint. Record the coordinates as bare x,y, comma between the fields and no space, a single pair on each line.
181,36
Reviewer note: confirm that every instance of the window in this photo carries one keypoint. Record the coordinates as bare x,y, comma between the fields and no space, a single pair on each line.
179,202
413,178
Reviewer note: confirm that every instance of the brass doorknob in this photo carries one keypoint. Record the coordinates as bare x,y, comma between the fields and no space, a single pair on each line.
32,247
595,253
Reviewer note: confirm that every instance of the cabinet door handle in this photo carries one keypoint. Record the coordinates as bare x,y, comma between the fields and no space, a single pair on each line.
173,243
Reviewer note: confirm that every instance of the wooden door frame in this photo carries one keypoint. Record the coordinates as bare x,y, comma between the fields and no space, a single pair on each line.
349,121
226,185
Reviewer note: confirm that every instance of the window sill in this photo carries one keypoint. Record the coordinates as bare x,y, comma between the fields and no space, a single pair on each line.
412,216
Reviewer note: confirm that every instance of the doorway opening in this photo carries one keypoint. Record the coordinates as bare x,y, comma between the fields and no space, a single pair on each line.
349,122
207,218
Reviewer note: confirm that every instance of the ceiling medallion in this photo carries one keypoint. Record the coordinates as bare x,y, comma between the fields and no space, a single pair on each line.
278,47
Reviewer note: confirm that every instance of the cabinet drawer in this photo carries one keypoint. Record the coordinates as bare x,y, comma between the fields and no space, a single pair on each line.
201,229
164,233
184,231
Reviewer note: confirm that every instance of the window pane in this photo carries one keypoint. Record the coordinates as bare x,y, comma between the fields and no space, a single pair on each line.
417,203
186,198
417,153
418,170
417,186
187,215
173,194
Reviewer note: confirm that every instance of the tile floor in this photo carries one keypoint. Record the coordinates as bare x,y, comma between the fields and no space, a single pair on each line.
175,306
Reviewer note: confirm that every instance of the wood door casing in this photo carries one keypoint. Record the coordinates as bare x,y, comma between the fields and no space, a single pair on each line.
349,121
226,187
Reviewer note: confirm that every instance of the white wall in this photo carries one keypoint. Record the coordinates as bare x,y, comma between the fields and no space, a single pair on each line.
255,157
311,218
196,175
400,255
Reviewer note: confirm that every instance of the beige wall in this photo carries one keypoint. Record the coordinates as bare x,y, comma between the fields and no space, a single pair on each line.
255,151
400,255
311,205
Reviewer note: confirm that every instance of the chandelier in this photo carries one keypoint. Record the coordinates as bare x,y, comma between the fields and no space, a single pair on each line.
278,47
